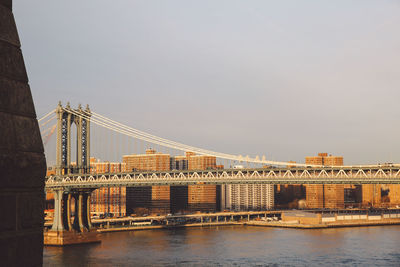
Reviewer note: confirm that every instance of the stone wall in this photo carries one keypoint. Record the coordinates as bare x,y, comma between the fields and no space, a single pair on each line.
22,161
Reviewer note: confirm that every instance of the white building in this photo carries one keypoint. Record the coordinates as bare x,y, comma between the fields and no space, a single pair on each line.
247,197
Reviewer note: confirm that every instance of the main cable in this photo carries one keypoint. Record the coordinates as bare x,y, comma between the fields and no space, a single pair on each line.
129,131
45,116
184,147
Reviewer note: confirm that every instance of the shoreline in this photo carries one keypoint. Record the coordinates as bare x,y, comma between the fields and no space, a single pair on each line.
322,226
253,223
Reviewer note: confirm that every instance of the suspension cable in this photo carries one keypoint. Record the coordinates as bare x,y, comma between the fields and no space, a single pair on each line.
128,131
176,145
48,129
45,116
186,148
49,120
47,137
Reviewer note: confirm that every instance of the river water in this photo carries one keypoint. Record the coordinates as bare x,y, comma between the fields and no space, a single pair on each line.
238,246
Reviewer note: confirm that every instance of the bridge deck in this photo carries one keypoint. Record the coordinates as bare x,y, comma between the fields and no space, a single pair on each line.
363,175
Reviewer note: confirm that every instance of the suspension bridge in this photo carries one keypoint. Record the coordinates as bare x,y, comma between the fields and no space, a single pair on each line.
103,137
120,139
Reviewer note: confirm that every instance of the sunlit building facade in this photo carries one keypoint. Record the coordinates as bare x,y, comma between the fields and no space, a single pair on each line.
112,200
325,196
148,199
246,197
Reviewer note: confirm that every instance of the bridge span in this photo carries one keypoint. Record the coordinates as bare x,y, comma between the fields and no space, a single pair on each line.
297,175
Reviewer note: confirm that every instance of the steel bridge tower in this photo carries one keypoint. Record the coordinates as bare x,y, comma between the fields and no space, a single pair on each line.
65,118
64,231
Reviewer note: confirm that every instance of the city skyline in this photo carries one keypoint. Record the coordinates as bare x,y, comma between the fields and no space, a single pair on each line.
281,80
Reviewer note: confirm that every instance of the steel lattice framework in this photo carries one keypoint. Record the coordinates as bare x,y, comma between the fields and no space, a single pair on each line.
378,175
65,118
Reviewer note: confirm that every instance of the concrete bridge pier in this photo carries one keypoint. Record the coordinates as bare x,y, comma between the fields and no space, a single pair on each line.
63,232
58,218
82,221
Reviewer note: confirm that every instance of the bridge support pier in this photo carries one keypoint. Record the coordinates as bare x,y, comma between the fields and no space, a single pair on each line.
63,232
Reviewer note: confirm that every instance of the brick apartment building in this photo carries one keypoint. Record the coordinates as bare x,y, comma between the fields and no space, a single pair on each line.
166,199
148,199
110,200
325,196
202,197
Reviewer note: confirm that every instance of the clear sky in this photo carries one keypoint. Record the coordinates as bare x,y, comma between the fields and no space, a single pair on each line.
283,79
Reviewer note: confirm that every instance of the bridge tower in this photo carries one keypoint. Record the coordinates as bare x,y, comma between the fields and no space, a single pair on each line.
64,231
65,118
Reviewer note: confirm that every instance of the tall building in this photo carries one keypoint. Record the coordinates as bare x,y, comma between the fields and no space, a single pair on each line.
325,196
148,199
371,195
352,195
151,161
202,198
317,160
332,160
179,163
200,162
394,195
288,195
110,200
247,197
179,199
379,195
179,194
166,199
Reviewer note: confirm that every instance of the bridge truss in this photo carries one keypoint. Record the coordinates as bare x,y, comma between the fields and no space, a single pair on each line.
377,175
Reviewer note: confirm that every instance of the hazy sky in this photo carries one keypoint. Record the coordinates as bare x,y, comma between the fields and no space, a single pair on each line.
281,78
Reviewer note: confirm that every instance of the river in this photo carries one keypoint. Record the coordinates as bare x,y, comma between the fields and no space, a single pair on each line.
236,245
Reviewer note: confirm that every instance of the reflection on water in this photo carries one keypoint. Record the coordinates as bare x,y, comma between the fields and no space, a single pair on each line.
236,245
